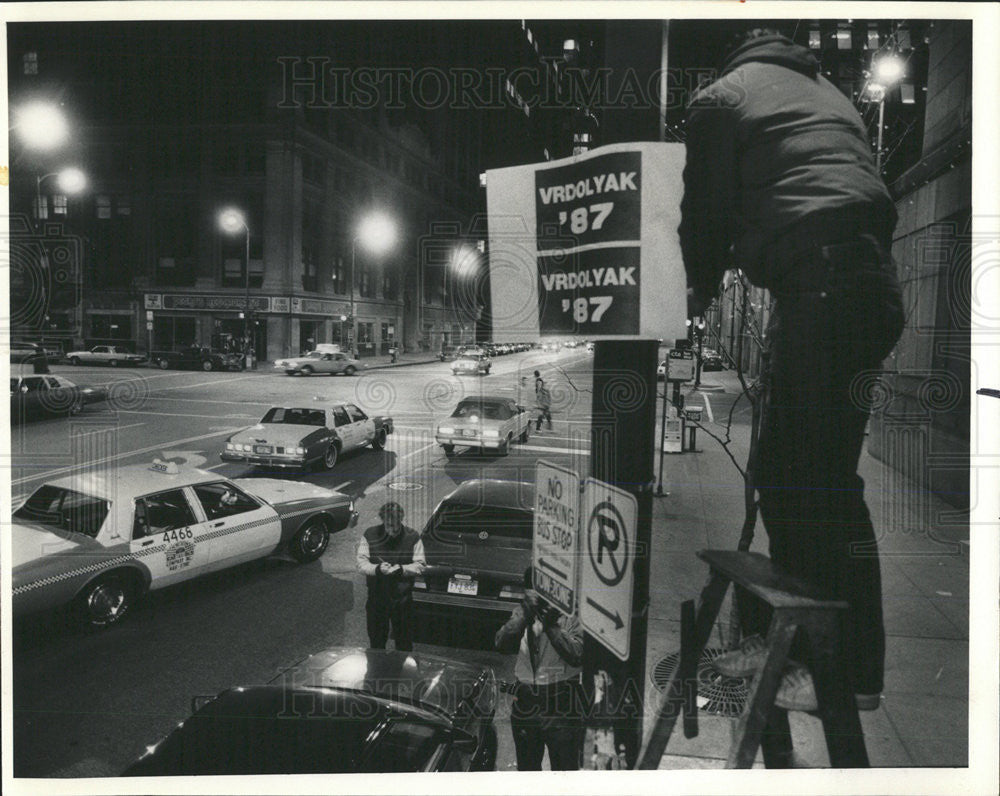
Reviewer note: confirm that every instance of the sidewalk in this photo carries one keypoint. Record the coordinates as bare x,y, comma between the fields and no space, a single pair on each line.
368,363
923,720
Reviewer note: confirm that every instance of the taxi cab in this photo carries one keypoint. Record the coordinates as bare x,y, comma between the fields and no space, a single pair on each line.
97,541
484,422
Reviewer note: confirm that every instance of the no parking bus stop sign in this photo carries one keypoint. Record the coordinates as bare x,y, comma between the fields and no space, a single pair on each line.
607,562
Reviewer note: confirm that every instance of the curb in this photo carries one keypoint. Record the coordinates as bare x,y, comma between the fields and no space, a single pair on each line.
401,364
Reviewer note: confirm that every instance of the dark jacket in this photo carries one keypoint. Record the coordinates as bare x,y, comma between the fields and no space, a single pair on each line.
768,144
376,547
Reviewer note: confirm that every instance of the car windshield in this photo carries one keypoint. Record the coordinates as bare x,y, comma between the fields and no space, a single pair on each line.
314,355
296,417
65,509
484,411
458,522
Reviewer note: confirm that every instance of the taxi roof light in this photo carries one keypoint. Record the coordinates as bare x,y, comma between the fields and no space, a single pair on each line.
160,466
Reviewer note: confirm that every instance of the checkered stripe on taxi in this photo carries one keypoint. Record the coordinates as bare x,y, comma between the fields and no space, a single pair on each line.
234,529
73,573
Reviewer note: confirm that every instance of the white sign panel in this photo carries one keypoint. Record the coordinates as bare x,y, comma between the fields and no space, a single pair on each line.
680,364
588,245
554,546
608,528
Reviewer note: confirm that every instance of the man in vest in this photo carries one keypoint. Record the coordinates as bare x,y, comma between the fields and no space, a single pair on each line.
390,556
547,711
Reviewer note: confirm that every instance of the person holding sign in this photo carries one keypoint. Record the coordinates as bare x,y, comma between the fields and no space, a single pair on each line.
780,182
547,712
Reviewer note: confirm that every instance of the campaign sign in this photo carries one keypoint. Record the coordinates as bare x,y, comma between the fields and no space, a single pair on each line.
587,246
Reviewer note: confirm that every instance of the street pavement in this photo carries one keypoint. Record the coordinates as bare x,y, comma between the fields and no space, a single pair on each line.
86,705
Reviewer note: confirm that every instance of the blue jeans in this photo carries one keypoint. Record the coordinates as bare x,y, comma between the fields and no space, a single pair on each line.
838,314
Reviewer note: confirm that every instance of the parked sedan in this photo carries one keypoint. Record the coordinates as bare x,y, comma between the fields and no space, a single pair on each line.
471,364
319,362
35,394
302,436
98,540
493,422
105,355
477,545
198,358
711,360
360,711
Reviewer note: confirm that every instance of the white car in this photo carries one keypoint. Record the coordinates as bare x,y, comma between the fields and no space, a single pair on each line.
301,436
319,362
104,355
484,422
99,540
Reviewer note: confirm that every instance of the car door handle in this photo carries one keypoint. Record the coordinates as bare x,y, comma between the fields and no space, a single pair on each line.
147,543
218,524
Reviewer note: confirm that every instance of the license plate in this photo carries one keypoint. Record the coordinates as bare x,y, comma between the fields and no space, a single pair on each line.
262,449
469,432
463,586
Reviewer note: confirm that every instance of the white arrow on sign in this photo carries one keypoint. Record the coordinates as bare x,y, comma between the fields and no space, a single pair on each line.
608,523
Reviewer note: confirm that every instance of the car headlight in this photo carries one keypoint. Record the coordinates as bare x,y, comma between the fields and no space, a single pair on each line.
281,364
491,432
446,430
300,451
229,446
246,447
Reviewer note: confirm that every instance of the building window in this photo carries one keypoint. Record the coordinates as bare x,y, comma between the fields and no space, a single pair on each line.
366,332
907,93
42,207
814,39
103,206
31,63
388,286
59,204
366,285
338,275
872,37
111,327
124,205
843,38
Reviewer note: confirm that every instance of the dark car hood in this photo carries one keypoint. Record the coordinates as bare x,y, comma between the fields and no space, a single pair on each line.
439,684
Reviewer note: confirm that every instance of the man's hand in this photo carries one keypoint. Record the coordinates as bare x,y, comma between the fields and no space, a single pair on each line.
550,616
531,603
386,568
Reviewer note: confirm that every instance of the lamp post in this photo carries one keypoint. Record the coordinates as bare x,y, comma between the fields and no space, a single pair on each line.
378,233
231,222
888,70
70,180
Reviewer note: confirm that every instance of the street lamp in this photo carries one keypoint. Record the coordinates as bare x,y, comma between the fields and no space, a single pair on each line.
41,125
70,180
887,70
377,232
231,221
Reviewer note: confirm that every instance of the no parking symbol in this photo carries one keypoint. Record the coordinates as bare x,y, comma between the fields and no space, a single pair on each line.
607,573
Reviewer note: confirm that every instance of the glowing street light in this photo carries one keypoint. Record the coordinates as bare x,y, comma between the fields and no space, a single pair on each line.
232,221
377,233
70,181
887,70
41,125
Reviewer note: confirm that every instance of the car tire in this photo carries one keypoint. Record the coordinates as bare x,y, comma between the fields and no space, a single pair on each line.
74,361
350,370
106,600
75,408
378,443
311,541
449,450
306,370
113,363
525,434
331,456
164,364
207,365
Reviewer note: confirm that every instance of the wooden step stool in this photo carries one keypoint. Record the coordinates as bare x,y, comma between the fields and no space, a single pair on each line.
761,723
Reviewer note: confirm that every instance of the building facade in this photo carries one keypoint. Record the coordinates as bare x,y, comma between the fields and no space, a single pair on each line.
171,128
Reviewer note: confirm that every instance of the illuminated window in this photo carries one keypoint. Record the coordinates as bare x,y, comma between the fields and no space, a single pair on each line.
814,39
31,63
124,205
103,206
907,94
873,37
59,204
843,39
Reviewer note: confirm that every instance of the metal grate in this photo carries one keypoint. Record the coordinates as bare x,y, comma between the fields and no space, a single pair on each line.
717,694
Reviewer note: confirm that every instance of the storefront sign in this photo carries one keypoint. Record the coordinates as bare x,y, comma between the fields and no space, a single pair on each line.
280,304
154,301
186,301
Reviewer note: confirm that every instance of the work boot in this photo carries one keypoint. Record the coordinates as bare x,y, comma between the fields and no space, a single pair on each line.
745,661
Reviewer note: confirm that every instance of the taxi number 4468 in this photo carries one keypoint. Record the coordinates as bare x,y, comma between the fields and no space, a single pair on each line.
178,534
